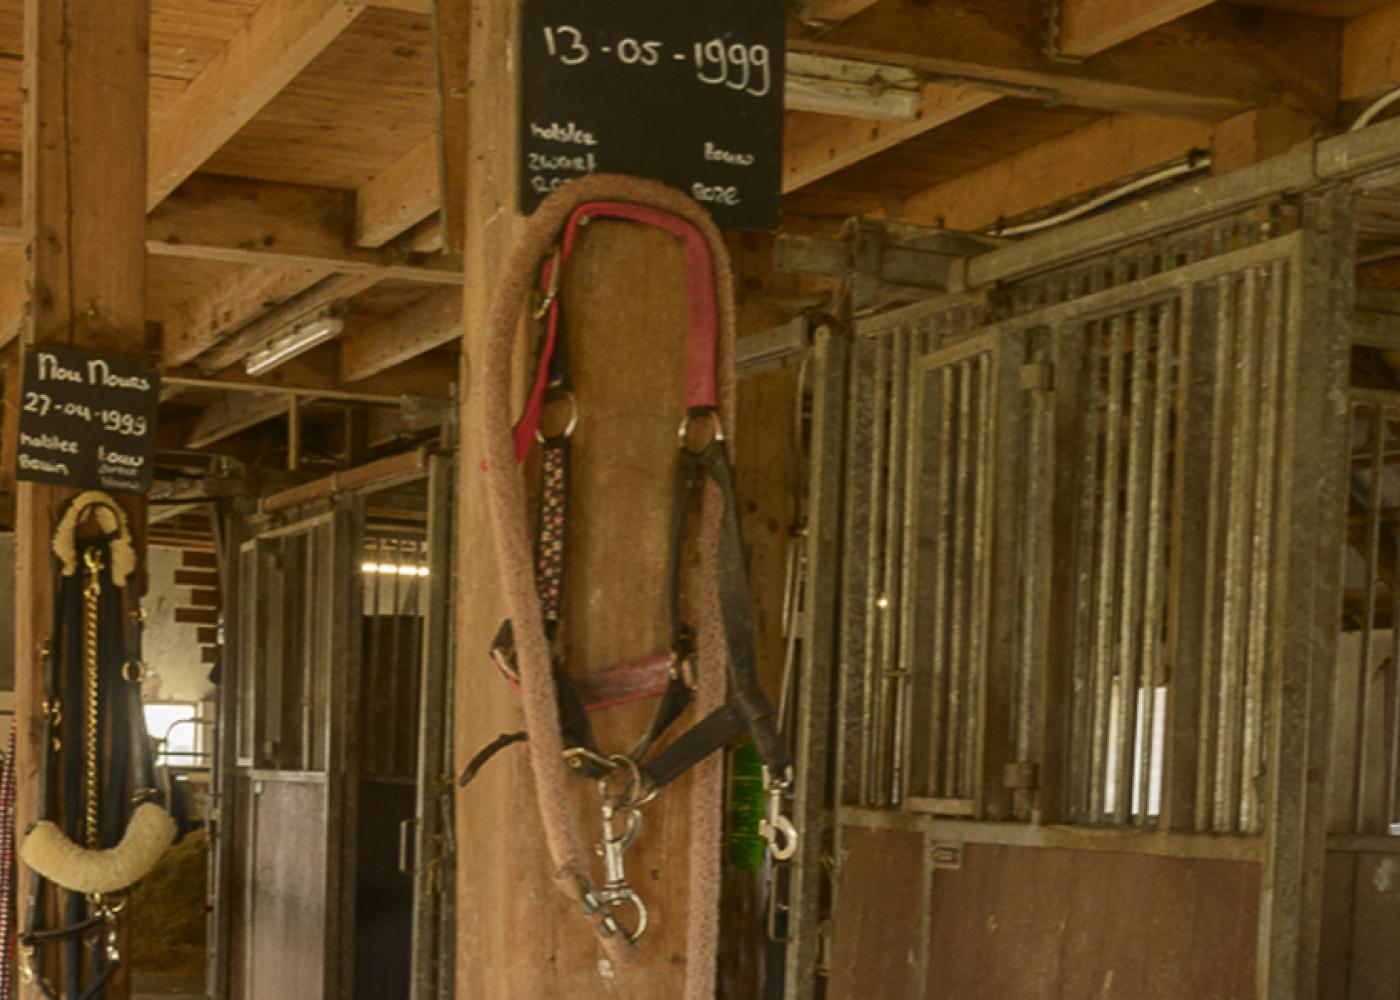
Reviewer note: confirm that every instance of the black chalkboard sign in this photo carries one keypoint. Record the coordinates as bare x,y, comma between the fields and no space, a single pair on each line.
87,420
690,94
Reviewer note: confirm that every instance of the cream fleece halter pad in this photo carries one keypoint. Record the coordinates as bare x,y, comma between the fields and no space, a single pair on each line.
46,848
111,519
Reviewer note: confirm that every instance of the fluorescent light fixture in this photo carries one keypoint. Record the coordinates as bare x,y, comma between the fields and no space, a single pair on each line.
394,569
303,335
851,88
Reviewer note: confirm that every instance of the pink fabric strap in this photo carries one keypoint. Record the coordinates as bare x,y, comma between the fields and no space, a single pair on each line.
700,289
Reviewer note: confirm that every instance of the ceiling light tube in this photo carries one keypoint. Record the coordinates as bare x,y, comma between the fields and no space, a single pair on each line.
303,335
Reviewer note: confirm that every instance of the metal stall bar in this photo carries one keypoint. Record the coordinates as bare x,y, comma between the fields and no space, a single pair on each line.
433,869
1159,504
1105,655
1263,544
1133,556
820,631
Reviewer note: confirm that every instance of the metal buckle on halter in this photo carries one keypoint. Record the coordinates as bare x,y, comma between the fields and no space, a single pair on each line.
684,431
776,827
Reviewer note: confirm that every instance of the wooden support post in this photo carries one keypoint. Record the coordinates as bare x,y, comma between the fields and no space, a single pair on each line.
626,303
84,220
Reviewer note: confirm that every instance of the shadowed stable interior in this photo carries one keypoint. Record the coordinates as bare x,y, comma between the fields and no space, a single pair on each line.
1062,408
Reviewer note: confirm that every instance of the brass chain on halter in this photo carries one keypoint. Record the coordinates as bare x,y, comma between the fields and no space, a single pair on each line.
92,600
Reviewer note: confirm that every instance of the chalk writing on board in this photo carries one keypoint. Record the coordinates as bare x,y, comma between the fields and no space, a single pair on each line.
690,95
87,420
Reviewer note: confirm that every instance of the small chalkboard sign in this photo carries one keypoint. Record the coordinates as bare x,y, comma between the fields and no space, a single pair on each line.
690,94
87,420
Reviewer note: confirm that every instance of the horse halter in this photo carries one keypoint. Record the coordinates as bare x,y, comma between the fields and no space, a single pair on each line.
96,762
527,647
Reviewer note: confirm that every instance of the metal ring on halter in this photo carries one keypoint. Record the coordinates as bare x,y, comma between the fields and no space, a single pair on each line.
134,671
636,794
569,427
684,430
620,897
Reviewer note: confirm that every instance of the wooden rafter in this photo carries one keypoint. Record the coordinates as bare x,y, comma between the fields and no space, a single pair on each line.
371,348
1371,54
279,40
399,197
1207,66
816,146
1087,27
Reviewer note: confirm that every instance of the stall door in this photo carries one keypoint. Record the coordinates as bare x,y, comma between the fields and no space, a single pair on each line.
295,584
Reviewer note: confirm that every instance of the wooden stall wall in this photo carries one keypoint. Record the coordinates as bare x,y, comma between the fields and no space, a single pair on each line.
1013,921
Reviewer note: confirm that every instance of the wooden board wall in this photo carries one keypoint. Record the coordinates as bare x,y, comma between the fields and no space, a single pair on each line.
1022,923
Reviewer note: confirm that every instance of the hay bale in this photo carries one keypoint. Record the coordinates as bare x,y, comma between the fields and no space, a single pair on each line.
168,909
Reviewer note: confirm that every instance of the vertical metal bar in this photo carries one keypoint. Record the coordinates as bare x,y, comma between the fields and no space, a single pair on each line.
431,876
1217,530
874,658
1159,503
391,659
1037,455
307,668
982,424
374,721
1086,568
1105,658
895,678
1393,702
942,549
825,553
955,765
1139,426
853,608
912,679
1262,546
1229,721
1365,686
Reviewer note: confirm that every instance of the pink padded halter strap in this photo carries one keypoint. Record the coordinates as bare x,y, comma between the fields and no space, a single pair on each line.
703,317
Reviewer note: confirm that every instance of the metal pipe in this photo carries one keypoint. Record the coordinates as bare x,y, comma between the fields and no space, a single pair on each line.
329,395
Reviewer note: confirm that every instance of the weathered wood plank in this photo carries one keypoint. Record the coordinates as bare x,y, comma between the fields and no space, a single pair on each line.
374,347
400,197
242,298
1209,65
1088,27
277,43
1371,54
816,146
451,46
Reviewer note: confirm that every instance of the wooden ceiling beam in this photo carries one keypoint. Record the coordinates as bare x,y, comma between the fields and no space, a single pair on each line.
278,41
370,348
399,197
257,222
1065,167
242,298
428,376
825,12
1206,66
817,146
1371,54
1087,27
231,348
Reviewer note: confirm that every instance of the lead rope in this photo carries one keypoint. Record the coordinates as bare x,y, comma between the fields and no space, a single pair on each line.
505,491
92,603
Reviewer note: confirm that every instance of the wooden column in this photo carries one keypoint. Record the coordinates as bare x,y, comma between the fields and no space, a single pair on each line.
625,299
85,72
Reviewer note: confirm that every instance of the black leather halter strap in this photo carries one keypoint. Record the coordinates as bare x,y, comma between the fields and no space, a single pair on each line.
746,708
